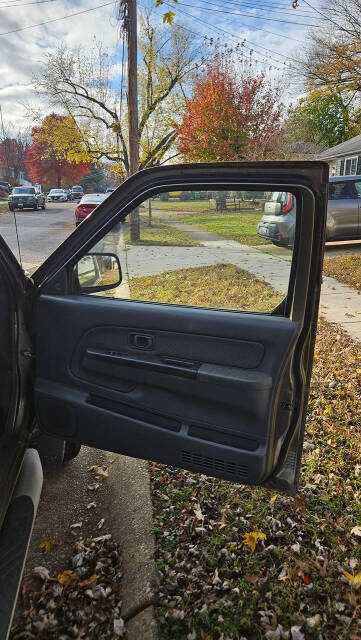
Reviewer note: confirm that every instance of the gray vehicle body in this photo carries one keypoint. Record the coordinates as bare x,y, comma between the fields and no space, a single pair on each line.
26,198
343,214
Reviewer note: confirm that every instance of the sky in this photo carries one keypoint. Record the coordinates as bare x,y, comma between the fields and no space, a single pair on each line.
272,29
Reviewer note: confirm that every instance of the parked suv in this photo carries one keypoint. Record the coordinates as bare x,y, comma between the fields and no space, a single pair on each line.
344,200
77,192
26,198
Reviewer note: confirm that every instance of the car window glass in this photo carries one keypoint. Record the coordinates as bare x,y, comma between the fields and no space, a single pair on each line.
214,249
341,190
358,188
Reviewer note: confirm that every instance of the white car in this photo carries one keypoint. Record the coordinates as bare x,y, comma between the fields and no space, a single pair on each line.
57,195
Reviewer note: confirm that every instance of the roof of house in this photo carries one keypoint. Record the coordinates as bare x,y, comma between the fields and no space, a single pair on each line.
350,147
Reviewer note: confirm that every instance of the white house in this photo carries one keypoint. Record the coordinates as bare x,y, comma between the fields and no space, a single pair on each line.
345,158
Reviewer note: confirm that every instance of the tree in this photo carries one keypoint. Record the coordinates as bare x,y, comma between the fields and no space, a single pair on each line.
81,82
333,58
45,163
231,117
13,150
324,118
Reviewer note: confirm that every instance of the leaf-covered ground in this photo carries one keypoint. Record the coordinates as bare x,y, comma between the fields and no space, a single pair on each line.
222,285
346,269
238,563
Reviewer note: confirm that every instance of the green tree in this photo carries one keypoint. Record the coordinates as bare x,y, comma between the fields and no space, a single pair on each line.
325,118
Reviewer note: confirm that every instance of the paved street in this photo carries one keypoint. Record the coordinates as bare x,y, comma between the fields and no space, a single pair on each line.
40,232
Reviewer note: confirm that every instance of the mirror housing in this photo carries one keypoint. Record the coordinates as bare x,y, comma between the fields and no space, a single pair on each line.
97,272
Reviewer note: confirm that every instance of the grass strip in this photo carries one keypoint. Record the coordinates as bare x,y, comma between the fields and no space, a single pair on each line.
160,234
222,285
241,227
346,269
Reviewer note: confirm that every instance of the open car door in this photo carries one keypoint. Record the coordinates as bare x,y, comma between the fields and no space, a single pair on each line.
197,356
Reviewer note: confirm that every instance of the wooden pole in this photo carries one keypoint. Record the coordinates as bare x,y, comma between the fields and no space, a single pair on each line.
133,133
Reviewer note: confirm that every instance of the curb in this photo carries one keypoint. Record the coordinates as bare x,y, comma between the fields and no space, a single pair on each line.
131,521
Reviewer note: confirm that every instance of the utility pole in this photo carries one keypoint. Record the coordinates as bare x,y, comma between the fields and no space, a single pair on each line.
133,133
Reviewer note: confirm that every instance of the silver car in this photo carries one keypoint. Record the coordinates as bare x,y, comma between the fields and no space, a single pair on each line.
344,202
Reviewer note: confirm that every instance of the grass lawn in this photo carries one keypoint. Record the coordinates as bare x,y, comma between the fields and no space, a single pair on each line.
346,269
160,234
299,581
221,285
4,207
181,206
241,227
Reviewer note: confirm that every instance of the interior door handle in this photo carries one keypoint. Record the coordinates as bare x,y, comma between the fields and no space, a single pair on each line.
169,366
141,341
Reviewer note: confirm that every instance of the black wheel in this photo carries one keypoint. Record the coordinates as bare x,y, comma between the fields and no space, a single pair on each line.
51,451
71,451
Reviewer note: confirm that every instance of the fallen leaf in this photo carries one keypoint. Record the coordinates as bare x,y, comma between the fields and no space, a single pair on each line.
93,486
306,579
356,531
41,572
76,525
100,523
46,545
65,576
252,538
354,580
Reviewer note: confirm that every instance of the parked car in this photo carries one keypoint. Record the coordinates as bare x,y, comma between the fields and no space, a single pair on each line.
87,204
343,221
77,192
218,392
110,189
68,194
57,195
5,188
26,198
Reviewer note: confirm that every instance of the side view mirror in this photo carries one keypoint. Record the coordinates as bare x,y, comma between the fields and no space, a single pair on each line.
97,272
272,207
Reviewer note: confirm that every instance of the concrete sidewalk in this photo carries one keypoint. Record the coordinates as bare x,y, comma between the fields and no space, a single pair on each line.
339,304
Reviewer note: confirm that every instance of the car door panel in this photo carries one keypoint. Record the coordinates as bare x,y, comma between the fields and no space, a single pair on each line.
236,364
215,391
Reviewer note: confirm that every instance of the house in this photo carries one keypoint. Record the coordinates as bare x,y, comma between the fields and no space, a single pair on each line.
345,158
6,173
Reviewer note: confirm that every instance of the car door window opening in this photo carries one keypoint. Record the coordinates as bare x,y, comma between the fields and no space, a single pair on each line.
207,246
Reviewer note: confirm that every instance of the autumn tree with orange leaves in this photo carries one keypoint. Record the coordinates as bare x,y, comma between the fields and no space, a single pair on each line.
231,117
47,161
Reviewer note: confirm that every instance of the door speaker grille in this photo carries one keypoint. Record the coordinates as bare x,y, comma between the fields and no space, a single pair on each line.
206,463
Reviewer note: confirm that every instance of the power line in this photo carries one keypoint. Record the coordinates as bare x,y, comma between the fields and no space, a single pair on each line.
260,4
70,15
301,24
5,6
325,17
274,8
272,33
225,31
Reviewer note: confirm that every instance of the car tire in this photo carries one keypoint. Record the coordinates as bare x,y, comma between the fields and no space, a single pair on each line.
71,451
